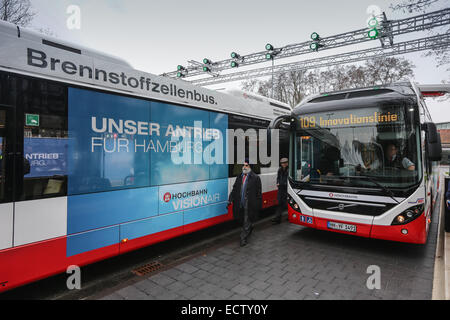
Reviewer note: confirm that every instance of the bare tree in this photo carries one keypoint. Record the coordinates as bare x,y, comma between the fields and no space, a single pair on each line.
249,85
16,11
441,55
388,70
293,86
413,5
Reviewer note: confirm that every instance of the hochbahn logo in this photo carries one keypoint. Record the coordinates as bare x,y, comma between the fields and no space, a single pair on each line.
182,195
167,197
189,199
345,196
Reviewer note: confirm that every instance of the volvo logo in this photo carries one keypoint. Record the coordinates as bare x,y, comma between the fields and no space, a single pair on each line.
342,206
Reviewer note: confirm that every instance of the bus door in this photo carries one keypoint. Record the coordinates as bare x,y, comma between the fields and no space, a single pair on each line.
7,171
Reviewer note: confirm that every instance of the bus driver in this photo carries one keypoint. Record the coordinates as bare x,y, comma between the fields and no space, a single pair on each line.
395,161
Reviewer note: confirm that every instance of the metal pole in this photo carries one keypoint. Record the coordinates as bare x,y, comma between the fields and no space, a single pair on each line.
272,76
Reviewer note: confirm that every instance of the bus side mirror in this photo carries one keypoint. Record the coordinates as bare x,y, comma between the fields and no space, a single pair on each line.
277,123
433,142
435,150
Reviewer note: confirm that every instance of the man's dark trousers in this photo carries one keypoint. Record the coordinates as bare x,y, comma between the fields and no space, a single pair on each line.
247,225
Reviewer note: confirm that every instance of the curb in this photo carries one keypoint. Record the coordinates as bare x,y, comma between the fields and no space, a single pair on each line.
446,250
447,267
441,279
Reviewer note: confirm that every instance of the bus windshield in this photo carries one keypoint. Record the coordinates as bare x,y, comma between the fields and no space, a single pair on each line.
365,147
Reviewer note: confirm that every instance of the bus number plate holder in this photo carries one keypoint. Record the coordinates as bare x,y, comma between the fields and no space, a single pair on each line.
341,226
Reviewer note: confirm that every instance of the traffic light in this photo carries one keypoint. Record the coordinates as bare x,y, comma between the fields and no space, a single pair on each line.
373,34
180,74
269,47
315,36
207,65
180,68
315,45
234,64
373,24
234,55
270,55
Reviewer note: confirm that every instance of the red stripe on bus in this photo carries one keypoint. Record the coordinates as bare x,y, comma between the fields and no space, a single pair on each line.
36,261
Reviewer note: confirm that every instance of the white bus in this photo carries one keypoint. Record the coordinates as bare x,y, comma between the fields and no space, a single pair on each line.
364,162
87,168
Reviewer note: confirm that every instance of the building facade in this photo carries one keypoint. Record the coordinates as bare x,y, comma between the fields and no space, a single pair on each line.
444,130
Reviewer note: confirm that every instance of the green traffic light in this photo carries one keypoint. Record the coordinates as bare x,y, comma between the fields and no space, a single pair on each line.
180,67
234,55
373,23
372,34
234,64
206,69
269,47
179,74
206,61
314,46
315,36
269,56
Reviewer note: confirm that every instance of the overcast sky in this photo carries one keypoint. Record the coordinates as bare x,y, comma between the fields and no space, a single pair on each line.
156,36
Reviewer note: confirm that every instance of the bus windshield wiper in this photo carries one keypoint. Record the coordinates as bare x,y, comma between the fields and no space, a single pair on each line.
385,189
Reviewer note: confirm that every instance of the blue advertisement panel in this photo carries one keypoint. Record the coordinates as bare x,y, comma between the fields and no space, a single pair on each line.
217,150
103,155
181,131
96,210
121,142
191,195
47,156
125,155
152,225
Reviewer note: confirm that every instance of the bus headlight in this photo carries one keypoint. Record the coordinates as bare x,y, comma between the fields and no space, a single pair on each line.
408,215
293,204
290,200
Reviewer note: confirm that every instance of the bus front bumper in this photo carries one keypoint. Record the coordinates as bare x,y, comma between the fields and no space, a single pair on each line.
413,232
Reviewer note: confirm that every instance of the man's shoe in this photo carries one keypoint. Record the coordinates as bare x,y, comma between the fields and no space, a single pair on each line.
243,243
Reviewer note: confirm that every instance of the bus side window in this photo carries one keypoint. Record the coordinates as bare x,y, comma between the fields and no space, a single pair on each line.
45,138
245,123
7,93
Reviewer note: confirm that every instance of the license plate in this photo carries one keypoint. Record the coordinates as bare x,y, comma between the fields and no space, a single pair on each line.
341,226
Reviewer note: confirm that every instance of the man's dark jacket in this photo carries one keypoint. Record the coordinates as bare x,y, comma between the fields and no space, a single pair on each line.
282,180
254,196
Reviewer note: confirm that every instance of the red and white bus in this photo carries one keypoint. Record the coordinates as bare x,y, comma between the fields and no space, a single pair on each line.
364,162
87,147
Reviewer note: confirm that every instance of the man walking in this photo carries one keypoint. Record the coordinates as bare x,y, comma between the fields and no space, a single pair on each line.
282,179
246,197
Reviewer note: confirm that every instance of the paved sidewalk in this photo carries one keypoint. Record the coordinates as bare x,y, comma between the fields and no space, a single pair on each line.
292,262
